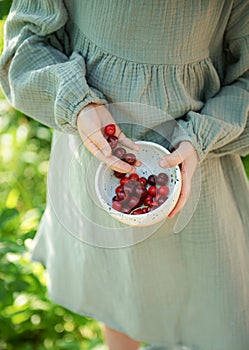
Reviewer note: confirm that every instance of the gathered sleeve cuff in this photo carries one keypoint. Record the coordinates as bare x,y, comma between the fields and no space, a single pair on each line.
39,74
221,127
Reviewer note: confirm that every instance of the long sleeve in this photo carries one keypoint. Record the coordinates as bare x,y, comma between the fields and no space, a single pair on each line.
39,74
222,126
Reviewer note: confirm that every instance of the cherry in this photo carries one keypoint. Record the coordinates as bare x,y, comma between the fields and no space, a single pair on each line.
113,141
141,191
161,200
152,180
117,205
124,180
163,190
137,211
119,152
148,200
145,210
143,181
125,210
162,179
132,202
129,187
152,190
110,129
120,193
115,198
129,158
134,177
119,175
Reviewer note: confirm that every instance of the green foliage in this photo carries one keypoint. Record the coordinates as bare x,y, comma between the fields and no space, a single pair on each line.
28,319
4,7
1,37
246,164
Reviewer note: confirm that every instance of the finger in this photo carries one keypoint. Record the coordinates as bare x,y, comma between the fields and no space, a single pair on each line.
112,162
98,139
185,191
177,156
100,142
125,141
171,160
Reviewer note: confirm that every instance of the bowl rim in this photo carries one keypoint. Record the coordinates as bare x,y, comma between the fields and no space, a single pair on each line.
120,214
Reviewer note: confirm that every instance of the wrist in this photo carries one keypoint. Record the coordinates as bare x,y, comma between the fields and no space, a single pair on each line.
86,108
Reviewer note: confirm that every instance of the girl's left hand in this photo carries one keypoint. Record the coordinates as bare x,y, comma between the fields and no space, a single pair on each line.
186,155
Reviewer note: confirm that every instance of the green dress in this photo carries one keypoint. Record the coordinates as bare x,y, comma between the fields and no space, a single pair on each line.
185,281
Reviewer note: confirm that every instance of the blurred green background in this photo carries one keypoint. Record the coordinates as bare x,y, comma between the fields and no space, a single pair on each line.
28,319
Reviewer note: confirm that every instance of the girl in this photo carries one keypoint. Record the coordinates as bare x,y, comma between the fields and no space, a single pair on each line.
63,63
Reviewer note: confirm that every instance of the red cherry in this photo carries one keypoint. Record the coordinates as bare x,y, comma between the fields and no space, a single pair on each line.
137,212
162,179
132,202
125,210
152,180
148,200
110,129
124,180
163,190
152,190
115,198
119,152
117,205
141,191
112,140
134,177
119,175
161,200
139,204
145,210
129,158
120,193
143,181
130,187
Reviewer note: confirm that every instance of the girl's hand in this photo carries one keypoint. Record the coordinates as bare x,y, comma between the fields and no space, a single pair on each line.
91,121
186,155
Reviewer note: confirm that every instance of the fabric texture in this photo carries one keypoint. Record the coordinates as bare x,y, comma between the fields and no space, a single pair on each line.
190,60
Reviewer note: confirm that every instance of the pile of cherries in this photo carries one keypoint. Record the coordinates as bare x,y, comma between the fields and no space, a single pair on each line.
135,195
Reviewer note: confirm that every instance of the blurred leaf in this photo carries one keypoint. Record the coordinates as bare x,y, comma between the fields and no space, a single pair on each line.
246,164
3,291
12,198
7,215
18,285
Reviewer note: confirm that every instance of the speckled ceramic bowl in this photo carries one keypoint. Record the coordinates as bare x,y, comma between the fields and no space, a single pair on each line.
149,154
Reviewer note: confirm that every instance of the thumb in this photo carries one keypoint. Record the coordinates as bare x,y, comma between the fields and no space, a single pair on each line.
176,157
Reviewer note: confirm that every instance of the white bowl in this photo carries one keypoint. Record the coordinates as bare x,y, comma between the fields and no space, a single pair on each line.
149,154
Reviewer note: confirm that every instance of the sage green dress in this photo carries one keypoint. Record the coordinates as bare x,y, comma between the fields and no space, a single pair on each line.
185,281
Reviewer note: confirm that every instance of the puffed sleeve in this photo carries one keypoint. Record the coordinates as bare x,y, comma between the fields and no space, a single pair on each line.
39,73
222,126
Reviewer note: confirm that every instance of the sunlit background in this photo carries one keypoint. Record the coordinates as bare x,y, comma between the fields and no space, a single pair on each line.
28,319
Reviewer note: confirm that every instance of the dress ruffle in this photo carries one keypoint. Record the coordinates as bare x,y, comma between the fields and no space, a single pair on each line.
182,87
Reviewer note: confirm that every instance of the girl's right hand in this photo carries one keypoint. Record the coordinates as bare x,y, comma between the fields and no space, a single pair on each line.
91,121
